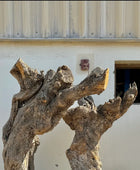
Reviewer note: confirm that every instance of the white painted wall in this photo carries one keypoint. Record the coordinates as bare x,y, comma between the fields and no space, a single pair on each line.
119,145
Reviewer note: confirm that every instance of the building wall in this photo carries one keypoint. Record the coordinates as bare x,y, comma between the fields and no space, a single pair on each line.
70,19
119,145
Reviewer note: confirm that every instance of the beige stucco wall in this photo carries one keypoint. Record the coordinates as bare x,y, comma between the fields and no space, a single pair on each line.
120,145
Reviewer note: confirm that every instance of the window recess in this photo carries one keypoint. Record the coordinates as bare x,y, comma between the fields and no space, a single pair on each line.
127,72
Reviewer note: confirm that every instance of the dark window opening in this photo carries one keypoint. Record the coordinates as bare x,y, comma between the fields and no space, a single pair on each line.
124,77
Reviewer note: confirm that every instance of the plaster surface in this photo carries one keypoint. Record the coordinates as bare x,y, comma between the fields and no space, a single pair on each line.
119,145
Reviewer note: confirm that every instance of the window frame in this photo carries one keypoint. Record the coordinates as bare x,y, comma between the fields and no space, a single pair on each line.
126,64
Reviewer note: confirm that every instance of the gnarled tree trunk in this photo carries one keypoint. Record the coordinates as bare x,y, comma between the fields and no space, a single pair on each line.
89,125
42,101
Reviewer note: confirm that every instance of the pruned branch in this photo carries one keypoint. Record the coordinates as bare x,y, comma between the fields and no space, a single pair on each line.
95,83
115,108
128,98
25,76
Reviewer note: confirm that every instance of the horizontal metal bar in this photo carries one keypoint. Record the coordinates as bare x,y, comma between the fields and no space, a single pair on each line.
74,39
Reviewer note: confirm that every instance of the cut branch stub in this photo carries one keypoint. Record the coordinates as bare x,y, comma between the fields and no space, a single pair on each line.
96,82
115,108
128,98
25,76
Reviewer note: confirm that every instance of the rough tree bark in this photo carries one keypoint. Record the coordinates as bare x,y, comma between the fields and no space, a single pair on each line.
42,101
89,125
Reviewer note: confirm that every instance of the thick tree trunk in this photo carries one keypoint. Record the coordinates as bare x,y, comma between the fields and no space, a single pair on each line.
89,125
38,108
